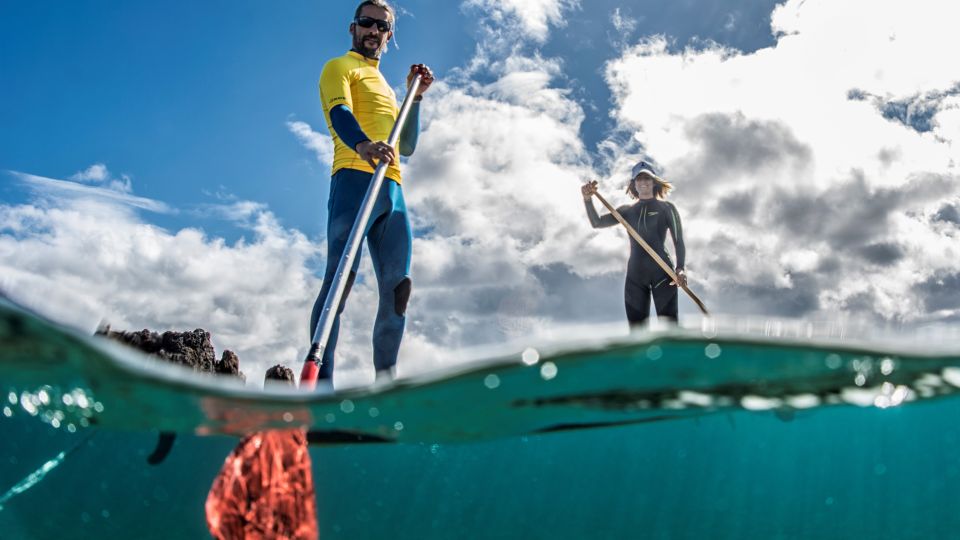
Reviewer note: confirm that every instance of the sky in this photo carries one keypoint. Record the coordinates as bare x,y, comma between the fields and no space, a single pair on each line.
166,165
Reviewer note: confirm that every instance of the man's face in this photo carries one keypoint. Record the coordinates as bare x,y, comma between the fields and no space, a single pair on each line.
371,41
644,186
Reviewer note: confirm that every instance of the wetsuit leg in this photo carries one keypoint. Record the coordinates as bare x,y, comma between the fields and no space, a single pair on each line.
347,189
665,300
390,240
637,302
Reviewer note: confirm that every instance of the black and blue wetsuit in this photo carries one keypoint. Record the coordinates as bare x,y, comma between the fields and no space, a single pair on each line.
360,106
652,218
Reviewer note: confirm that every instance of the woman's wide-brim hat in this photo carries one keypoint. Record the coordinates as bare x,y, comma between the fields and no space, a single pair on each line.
644,167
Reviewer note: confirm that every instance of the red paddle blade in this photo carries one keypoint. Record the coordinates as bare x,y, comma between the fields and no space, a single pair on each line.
308,376
265,490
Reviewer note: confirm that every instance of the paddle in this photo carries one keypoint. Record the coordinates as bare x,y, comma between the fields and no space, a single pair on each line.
311,365
265,487
653,254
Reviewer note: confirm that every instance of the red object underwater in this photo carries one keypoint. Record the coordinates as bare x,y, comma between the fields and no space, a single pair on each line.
265,490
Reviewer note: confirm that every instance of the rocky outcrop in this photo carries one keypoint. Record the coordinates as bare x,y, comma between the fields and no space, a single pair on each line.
281,374
192,348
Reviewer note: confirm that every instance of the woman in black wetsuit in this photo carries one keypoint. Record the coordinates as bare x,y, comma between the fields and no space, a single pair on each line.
652,216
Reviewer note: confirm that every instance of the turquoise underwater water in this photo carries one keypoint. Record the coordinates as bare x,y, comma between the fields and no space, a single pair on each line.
829,472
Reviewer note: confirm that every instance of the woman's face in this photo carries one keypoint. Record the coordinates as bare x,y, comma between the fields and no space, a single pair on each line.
644,186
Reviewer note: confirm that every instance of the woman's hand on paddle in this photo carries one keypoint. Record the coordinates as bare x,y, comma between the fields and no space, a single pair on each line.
681,277
379,151
426,77
588,189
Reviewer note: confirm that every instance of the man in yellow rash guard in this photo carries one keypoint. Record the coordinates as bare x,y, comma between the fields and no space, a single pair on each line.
361,109
354,81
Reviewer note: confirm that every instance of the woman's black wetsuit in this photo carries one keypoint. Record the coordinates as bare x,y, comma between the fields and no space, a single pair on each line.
652,218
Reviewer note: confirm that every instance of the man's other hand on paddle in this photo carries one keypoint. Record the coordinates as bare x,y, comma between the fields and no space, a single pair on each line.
426,78
379,151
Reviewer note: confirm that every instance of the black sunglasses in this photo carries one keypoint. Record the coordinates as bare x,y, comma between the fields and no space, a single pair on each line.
367,22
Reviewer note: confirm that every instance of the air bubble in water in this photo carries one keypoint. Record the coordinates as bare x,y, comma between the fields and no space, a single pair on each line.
491,381
886,366
548,370
901,394
708,328
695,398
530,356
27,404
803,401
833,361
952,375
759,403
891,396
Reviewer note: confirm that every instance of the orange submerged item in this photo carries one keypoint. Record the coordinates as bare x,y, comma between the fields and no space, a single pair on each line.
265,490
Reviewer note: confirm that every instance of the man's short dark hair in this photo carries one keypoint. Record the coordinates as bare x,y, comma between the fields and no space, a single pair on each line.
376,3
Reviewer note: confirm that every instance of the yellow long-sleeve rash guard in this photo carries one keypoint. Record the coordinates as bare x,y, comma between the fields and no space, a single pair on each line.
355,81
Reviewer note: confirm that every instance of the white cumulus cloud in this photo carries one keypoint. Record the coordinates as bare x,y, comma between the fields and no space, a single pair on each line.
531,17
320,143
87,258
806,189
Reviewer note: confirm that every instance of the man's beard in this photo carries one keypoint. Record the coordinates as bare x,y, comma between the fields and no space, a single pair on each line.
360,47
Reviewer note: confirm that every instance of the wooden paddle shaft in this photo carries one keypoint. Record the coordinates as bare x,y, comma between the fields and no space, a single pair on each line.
653,254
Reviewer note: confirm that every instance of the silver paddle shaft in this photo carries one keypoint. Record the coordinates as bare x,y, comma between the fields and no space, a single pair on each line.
324,326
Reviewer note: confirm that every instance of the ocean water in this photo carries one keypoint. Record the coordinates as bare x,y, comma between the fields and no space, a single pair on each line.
829,472
701,435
